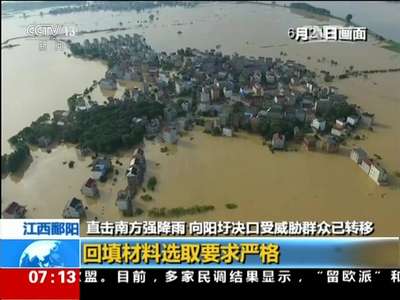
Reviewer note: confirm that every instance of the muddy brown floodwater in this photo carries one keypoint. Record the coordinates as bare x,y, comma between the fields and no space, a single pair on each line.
205,170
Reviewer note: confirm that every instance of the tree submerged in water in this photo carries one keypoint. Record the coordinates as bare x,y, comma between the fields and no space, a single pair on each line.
349,17
14,161
151,184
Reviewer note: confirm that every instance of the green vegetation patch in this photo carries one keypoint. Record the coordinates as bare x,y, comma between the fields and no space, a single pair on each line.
102,128
146,198
151,184
138,212
231,205
11,163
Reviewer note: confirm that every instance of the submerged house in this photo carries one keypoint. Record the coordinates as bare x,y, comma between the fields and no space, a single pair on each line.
152,127
134,178
170,135
108,84
183,124
278,141
310,143
138,157
101,167
205,95
378,174
124,202
331,144
138,160
14,211
227,132
352,120
358,155
170,113
322,105
365,165
367,119
136,171
89,188
318,124
337,131
74,209
340,123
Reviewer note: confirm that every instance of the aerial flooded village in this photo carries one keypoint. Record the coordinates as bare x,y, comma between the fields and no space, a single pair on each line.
173,92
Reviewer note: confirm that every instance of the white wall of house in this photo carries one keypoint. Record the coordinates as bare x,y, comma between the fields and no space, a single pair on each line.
227,132
365,167
278,143
205,96
336,132
318,124
352,120
228,93
170,136
357,155
377,174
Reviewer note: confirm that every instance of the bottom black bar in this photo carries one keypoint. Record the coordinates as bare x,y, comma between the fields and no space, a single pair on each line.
100,280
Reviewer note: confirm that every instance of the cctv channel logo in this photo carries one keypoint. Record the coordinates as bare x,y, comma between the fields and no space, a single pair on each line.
50,30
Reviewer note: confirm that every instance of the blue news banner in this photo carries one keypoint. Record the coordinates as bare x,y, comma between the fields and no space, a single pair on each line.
39,259
99,262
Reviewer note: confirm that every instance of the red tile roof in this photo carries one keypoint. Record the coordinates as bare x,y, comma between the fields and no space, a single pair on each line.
90,182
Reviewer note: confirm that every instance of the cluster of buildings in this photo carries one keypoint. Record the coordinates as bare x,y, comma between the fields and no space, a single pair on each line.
131,59
268,87
327,144
194,84
227,92
371,167
101,167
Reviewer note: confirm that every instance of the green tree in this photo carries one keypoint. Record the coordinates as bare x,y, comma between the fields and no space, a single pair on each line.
181,52
17,158
43,118
340,110
4,164
264,127
151,183
243,79
349,17
263,78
